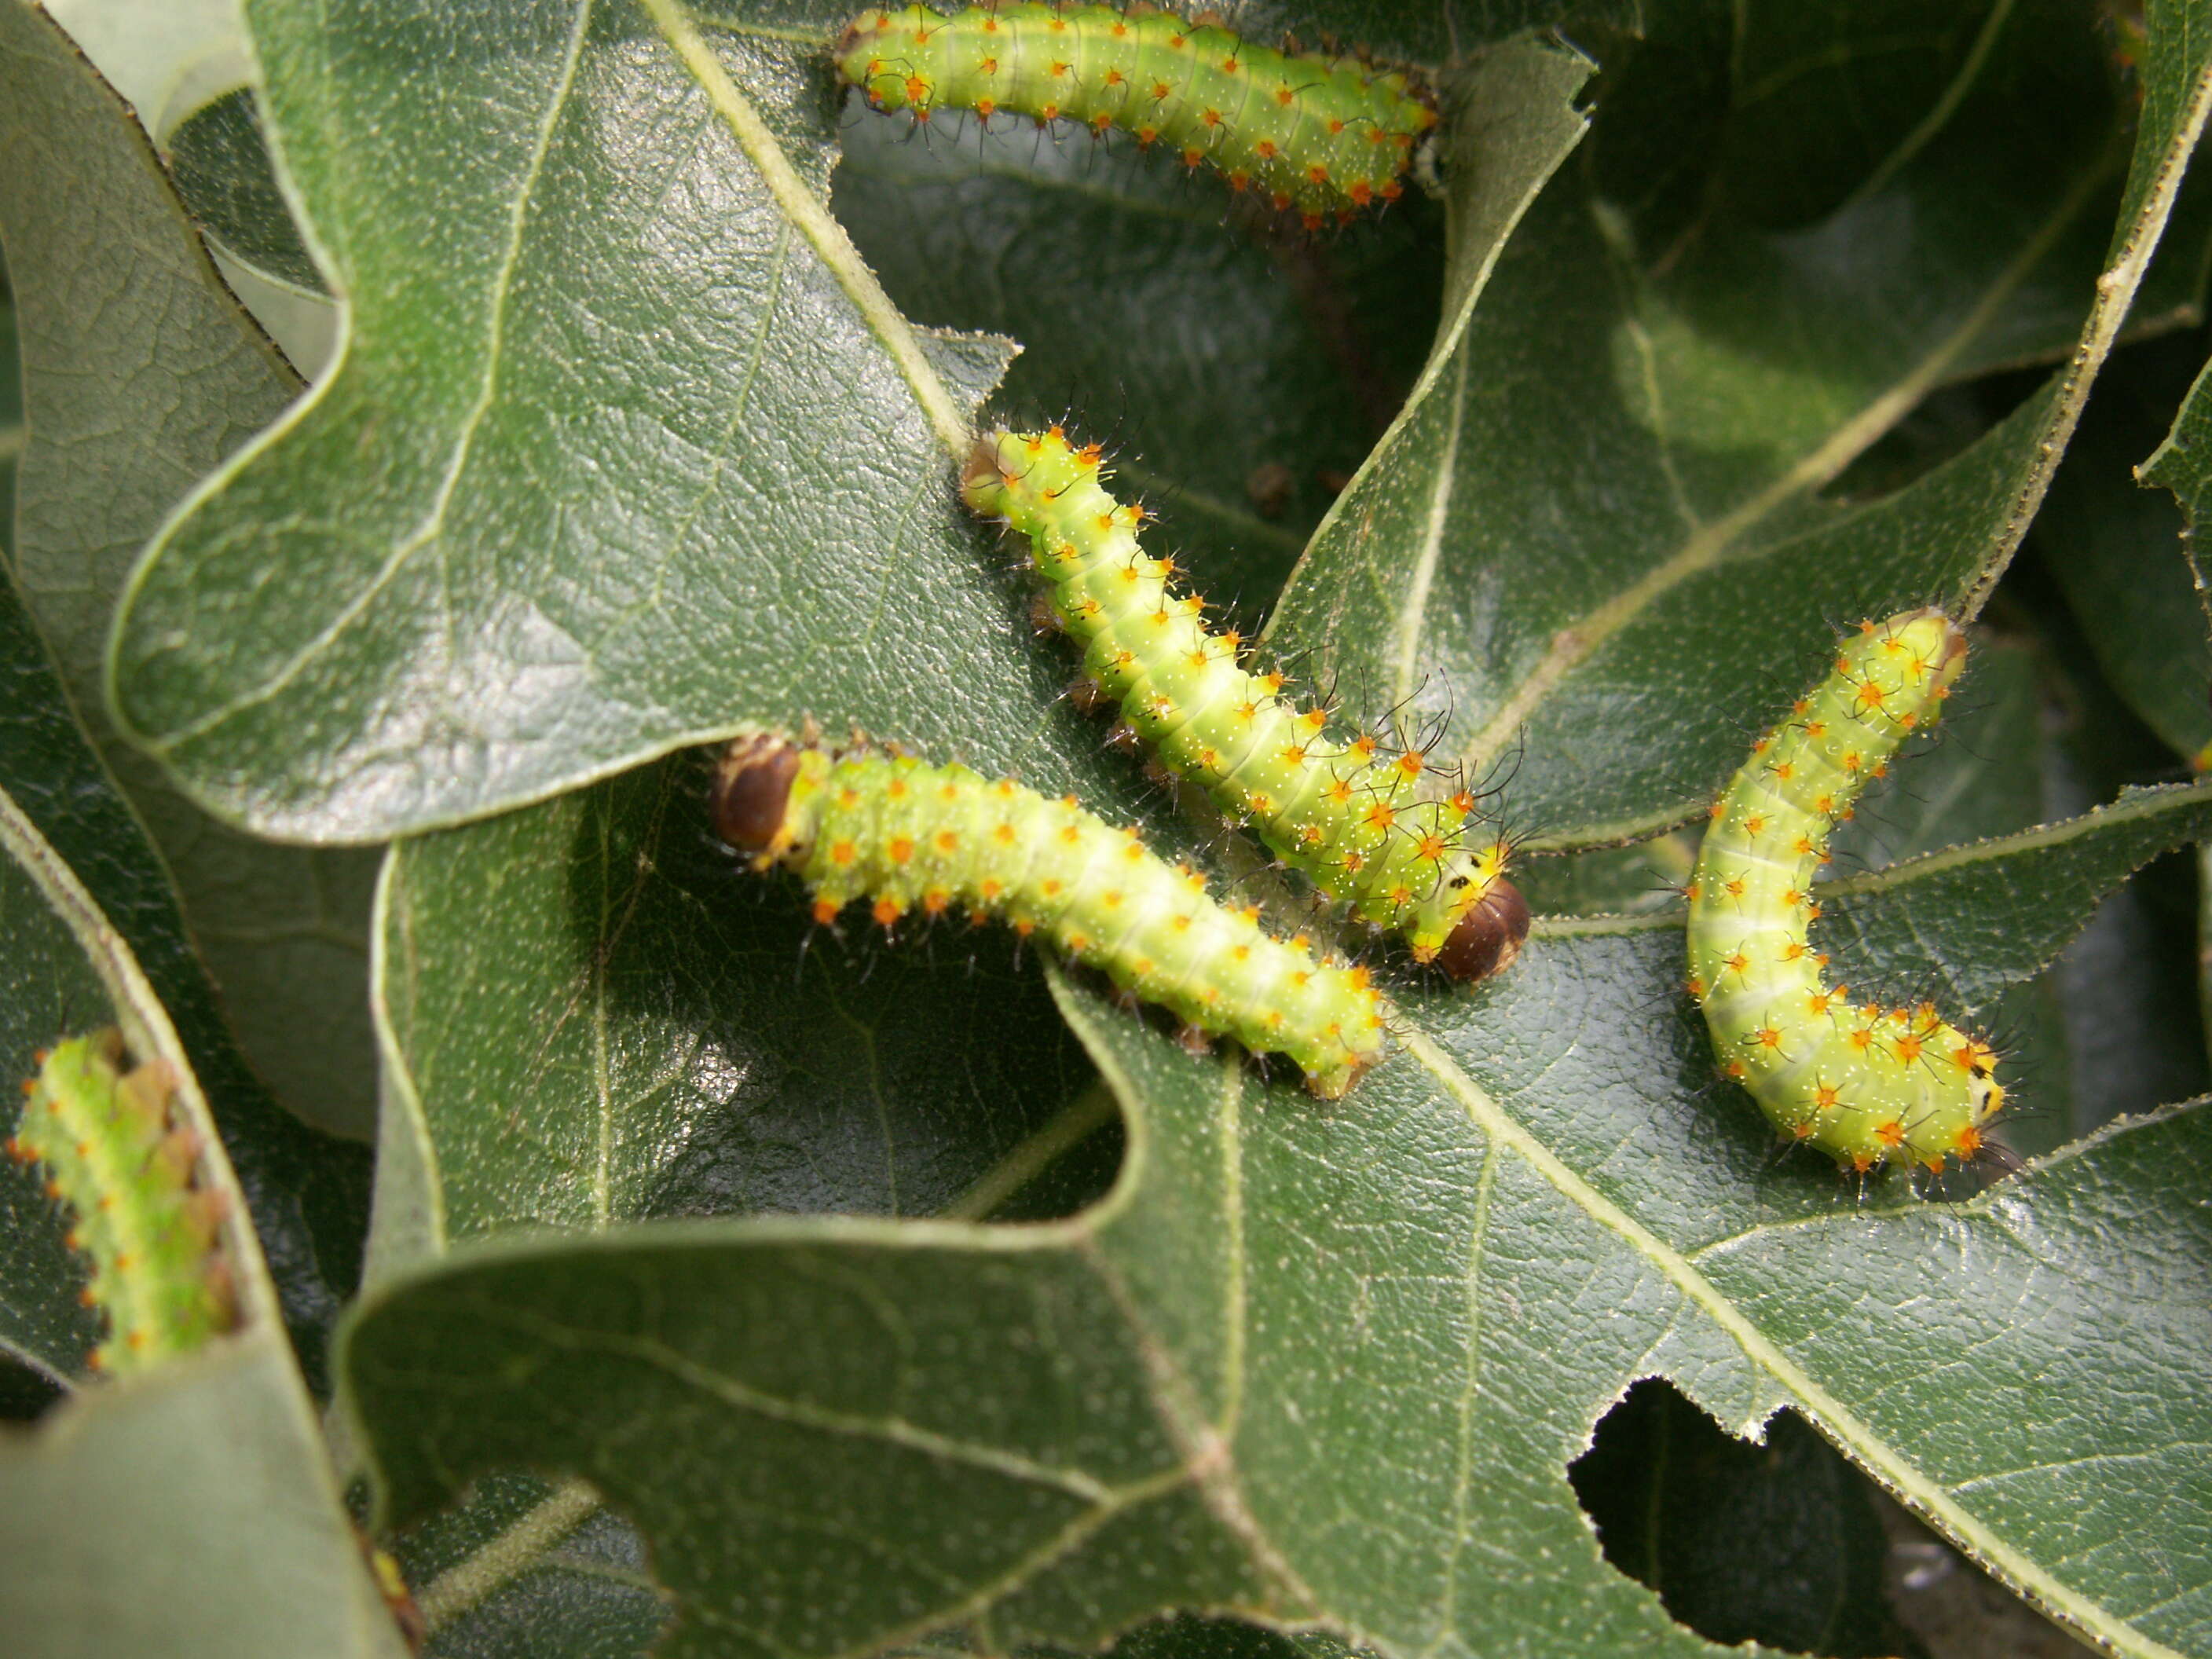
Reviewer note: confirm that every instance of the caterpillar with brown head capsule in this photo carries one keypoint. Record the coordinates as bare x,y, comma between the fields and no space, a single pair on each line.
917,840
1865,1084
1359,818
1324,136
104,1131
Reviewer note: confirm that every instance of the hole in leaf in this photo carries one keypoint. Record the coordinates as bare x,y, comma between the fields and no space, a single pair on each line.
1786,1543
1780,1543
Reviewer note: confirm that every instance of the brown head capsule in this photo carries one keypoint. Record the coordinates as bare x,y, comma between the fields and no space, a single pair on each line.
752,788
1487,937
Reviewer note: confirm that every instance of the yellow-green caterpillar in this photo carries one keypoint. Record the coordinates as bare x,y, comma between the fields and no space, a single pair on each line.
1353,815
113,1156
923,840
1324,136
1862,1082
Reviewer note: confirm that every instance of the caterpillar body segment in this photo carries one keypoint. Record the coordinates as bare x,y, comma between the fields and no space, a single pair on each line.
102,1130
1356,816
1320,135
1864,1083
912,839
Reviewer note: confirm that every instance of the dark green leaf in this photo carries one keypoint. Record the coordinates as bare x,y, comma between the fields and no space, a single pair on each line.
1329,1363
1279,1300
653,992
544,579
141,374
189,1514
1600,517
2119,551
188,1510
595,1015
1147,304
1985,915
308,1191
221,171
1314,1363
50,990
526,1568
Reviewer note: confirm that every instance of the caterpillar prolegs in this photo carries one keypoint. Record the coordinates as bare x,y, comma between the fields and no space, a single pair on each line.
1354,816
1324,135
1864,1083
104,1135
916,839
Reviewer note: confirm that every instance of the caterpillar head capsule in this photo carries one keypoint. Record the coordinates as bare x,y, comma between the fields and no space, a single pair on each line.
1488,938
752,789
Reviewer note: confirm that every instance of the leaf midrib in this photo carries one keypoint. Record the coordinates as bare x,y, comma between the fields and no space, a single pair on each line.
1710,543
2135,805
800,208
1823,1409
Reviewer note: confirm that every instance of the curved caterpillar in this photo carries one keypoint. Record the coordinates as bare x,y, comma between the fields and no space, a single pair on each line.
113,1156
1325,135
1351,814
1862,1084
927,838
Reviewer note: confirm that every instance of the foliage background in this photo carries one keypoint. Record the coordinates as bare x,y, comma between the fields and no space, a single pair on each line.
687,1233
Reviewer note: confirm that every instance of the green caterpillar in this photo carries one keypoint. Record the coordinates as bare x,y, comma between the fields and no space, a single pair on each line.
113,1156
919,838
1352,815
1864,1084
1326,136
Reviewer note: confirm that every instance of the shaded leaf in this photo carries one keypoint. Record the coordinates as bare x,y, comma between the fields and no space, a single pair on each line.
221,171
50,990
1242,1381
1148,306
1778,1543
1987,914
595,1015
529,1568
187,1513
188,1509
141,374
2120,553
308,1191
1602,505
